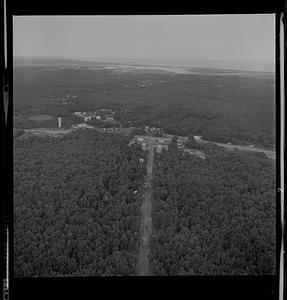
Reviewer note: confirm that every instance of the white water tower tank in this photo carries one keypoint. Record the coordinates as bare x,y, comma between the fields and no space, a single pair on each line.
59,122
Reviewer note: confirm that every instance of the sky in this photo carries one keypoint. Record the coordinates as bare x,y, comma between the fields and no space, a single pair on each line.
225,40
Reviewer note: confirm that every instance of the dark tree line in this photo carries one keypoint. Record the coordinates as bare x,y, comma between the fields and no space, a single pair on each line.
213,216
75,209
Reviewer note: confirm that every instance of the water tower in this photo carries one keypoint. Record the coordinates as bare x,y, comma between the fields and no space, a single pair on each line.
59,122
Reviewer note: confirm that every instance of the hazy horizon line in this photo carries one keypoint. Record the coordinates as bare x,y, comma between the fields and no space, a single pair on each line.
155,61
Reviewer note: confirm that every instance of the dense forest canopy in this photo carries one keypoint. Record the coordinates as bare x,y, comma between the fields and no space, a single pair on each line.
77,198
213,216
238,109
75,209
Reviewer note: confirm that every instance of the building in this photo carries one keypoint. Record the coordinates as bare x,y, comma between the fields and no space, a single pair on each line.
98,118
160,147
141,160
89,118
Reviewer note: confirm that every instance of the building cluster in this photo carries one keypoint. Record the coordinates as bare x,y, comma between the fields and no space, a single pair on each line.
102,114
143,83
161,144
64,100
153,130
88,116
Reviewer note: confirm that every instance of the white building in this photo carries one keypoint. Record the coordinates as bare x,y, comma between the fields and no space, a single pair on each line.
87,118
160,147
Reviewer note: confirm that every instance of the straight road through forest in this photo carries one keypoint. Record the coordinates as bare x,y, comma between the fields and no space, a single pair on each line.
146,221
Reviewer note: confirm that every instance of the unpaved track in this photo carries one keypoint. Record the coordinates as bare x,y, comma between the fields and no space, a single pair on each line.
146,221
